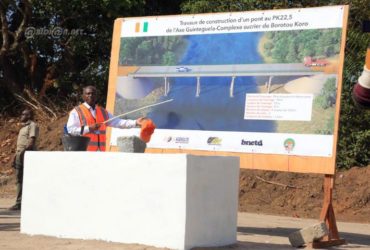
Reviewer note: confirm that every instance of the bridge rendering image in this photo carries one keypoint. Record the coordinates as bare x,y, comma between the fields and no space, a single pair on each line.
233,71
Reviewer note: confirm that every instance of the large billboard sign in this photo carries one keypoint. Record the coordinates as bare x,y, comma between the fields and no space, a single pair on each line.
254,84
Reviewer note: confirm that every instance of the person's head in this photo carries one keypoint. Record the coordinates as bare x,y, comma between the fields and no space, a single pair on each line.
89,95
27,114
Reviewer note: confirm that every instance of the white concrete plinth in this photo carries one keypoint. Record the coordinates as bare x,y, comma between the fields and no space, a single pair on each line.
177,201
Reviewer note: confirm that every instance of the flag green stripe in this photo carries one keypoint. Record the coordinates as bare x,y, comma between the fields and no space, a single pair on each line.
145,28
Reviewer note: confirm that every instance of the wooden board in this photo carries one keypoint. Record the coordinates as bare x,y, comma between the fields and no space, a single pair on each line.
290,163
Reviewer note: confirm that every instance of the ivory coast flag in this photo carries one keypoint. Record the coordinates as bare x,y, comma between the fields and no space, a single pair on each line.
144,26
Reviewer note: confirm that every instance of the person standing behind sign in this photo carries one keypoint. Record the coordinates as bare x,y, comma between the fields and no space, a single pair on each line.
361,91
27,138
87,120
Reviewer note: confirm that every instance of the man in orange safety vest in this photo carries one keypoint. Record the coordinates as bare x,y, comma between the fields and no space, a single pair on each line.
87,120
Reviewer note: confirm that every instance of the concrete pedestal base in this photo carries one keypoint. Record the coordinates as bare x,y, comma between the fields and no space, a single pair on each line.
131,144
177,201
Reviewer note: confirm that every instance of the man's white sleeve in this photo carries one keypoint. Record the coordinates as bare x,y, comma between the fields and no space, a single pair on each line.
121,123
74,125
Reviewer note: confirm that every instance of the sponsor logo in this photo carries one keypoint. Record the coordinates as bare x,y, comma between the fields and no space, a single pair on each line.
183,140
214,141
167,139
252,143
289,144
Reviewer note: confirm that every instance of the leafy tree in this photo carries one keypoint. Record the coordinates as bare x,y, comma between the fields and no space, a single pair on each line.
327,97
169,58
14,19
160,50
43,67
293,46
33,65
292,52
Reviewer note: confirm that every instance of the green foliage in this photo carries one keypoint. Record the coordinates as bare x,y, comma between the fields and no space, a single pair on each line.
354,148
293,46
76,59
169,58
164,50
330,124
354,128
80,58
203,6
329,127
327,97
268,46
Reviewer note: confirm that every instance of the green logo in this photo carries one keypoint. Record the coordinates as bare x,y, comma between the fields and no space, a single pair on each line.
289,144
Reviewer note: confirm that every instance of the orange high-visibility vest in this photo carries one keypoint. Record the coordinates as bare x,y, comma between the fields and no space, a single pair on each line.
97,138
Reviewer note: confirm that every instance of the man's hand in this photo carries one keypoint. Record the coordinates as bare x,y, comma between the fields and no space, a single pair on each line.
94,127
139,121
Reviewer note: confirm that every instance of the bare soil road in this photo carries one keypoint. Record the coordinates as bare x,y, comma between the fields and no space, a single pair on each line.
255,231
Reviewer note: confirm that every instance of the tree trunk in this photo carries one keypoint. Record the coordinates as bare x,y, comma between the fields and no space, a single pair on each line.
9,76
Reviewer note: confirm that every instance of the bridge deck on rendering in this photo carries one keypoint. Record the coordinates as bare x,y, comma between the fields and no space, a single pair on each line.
233,71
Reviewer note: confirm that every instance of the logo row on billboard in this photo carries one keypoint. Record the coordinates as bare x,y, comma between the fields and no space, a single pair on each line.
288,144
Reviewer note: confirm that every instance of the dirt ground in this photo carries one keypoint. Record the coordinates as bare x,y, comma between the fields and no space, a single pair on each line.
277,193
254,231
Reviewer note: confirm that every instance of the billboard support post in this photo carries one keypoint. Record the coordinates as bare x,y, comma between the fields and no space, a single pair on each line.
327,216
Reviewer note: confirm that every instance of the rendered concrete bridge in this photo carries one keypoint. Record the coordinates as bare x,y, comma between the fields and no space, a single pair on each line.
232,71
